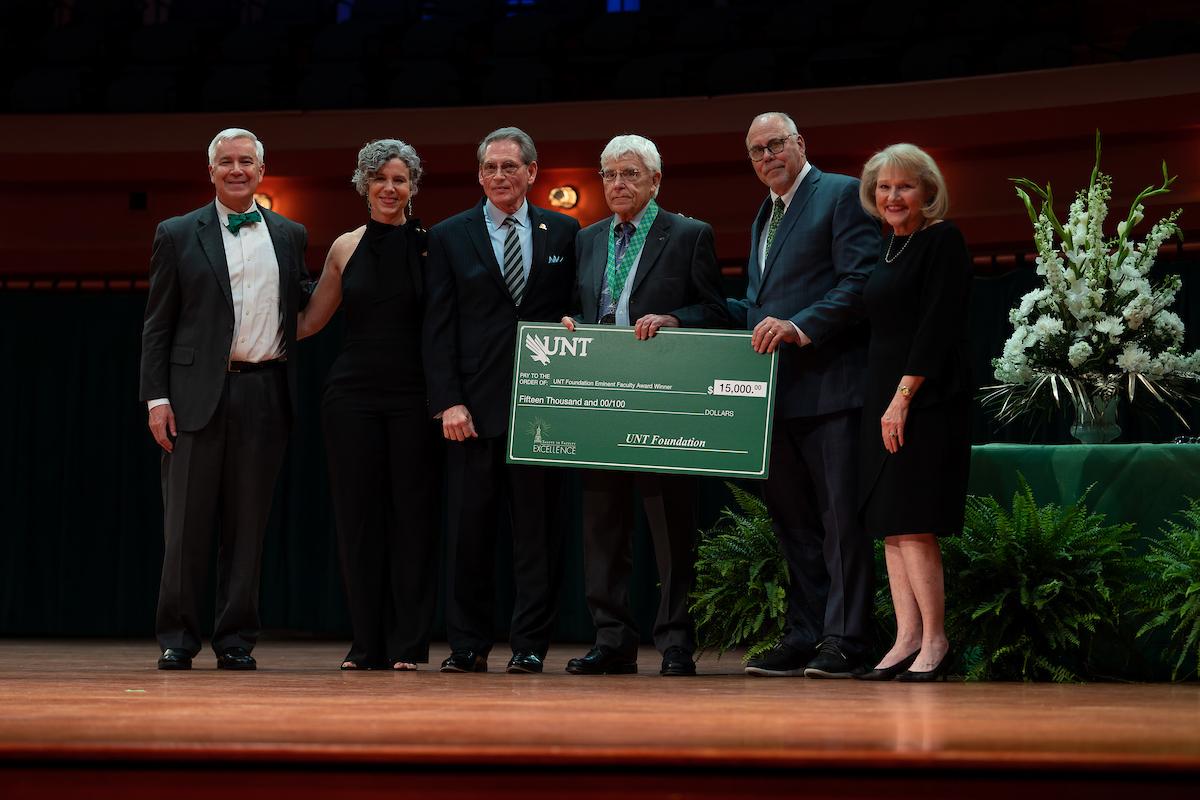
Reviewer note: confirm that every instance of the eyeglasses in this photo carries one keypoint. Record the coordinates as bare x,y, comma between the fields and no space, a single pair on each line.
626,175
775,146
507,169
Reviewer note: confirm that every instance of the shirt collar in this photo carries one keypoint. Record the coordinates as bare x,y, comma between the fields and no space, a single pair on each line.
224,211
790,193
637,218
497,216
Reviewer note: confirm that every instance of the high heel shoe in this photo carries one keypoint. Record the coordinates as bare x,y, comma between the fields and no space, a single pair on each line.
938,673
888,673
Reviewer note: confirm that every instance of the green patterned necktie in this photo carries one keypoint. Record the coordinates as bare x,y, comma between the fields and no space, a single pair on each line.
616,272
776,216
236,221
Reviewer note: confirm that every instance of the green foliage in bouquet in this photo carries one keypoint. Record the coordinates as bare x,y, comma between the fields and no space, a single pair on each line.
1027,588
740,599
1170,594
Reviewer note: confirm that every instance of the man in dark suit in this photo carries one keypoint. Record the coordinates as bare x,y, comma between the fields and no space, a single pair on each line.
811,249
501,261
651,269
218,376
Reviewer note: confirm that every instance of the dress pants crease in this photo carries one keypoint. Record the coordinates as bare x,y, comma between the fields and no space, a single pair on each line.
222,476
480,486
829,556
669,502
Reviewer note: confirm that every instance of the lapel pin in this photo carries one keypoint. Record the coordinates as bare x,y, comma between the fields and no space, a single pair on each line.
542,226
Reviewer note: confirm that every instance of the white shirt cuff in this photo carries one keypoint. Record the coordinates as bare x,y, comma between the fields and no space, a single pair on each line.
161,401
804,340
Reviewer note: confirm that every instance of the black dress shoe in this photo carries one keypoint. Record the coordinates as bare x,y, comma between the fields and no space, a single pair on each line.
831,662
938,673
602,660
236,658
781,661
888,673
172,658
677,661
524,662
465,661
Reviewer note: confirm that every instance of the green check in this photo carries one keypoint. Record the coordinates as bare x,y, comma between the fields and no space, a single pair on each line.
685,401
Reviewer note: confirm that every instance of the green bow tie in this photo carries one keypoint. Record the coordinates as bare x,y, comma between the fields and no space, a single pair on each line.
236,221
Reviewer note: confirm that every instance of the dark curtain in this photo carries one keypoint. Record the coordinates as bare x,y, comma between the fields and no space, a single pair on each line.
80,503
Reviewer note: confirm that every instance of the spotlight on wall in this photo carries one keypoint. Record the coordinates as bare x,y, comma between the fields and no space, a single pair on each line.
264,200
564,197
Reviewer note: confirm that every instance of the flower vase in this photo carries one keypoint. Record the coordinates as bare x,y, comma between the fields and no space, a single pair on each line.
1096,420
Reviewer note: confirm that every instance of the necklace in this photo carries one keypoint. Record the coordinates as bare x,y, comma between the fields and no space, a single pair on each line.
888,258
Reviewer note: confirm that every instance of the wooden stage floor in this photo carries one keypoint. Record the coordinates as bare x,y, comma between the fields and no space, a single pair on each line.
87,717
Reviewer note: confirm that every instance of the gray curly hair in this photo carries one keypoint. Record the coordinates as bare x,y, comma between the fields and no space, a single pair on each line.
375,155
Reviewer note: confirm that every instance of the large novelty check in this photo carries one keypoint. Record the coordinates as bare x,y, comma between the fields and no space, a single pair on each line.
687,401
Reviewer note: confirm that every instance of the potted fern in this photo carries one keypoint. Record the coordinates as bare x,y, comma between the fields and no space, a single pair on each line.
740,599
1171,591
1028,587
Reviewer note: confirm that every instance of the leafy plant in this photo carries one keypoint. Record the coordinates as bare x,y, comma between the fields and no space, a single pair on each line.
740,599
1027,587
1171,591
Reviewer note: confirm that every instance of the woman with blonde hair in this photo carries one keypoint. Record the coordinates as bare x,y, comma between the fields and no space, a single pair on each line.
916,446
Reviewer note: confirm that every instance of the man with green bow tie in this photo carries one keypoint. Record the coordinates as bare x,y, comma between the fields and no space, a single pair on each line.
219,380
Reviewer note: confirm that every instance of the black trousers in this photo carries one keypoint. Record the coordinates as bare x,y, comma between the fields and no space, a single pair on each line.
669,502
221,478
812,497
382,470
479,486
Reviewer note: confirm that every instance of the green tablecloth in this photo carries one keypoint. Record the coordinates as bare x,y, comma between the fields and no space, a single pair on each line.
1140,483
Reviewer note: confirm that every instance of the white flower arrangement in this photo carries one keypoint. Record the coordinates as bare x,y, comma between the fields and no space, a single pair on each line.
1098,323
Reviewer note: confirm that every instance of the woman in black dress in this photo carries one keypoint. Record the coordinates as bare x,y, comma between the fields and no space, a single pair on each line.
916,446
377,429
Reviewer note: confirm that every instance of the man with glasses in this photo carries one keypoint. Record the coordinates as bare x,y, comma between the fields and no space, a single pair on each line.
811,249
647,268
501,261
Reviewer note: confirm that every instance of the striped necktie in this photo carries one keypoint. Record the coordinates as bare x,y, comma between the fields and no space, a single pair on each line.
777,209
514,269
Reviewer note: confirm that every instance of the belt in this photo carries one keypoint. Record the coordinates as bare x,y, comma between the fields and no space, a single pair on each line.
255,366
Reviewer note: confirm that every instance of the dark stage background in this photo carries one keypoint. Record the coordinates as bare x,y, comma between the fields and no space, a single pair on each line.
80,507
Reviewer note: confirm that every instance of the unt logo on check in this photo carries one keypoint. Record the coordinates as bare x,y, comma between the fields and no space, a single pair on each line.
542,347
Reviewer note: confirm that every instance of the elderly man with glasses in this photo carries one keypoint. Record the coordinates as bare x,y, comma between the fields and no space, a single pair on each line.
646,268
811,249
501,261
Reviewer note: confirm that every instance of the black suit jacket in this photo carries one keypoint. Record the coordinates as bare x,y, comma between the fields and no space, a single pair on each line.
187,334
677,273
823,252
470,325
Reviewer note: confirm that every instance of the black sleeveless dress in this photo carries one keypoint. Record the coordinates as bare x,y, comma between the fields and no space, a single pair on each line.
379,442
917,307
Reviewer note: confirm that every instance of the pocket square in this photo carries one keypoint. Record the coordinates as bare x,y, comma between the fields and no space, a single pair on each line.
554,260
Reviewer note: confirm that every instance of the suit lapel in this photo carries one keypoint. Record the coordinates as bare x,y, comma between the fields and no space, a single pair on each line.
599,259
283,254
208,230
656,240
478,234
753,270
804,193
539,234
